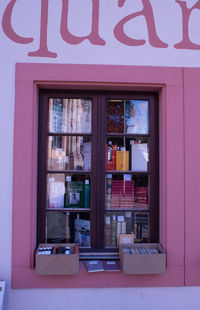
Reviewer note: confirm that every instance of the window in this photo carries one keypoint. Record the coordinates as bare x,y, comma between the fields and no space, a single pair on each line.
98,168
168,83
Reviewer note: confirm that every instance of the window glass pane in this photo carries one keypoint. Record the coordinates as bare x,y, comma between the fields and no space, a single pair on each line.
136,116
69,153
68,191
68,227
125,222
115,116
70,115
126,192
68,206
126,154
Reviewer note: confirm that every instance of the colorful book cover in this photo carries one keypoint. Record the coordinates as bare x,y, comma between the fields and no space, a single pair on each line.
111,156
122,194
87,194
141,195
94,265
115,117
122,161
82,232
111,265
74,194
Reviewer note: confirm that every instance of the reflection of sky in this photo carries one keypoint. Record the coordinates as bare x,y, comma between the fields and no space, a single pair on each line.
138,122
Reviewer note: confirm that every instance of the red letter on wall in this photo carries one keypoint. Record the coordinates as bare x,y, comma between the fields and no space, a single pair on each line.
93,37
147,12
186,43
7,27
43,49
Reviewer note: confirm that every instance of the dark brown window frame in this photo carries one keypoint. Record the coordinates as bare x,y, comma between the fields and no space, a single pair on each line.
98,159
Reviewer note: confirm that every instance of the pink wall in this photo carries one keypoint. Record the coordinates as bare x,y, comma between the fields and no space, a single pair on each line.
192,170
175,159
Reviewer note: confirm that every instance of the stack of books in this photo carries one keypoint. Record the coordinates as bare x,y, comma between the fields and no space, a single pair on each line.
122,194
140,195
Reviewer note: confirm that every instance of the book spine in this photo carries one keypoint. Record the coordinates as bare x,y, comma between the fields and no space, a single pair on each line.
114,230
108,232
108,192
87,194
110,156
131,155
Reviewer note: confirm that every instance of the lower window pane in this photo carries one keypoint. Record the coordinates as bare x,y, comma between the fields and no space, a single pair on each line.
126,222
68,227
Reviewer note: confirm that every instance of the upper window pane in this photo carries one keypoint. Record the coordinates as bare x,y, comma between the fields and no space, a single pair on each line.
127,116
70,115
136,116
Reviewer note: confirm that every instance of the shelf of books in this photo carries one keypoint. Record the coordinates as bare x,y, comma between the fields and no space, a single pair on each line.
69,173
127,173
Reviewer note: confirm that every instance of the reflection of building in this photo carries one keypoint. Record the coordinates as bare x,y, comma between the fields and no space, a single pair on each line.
69,116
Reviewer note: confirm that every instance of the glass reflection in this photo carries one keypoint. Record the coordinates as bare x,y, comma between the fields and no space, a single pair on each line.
70,115
69,153
68,227
136,116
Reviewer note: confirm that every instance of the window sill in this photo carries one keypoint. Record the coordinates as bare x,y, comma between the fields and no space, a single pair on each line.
24,277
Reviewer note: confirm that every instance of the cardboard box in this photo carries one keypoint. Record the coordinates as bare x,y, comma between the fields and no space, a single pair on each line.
143,263
57,264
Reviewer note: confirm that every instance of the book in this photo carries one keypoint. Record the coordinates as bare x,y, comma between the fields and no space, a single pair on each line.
122,194
94,265
111,156
111,265
139,156
108,231
74,194
114,231
108,190
141,195
122,160
82,232
87,194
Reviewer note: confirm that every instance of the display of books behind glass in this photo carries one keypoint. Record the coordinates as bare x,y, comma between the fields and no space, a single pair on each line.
68,227
126,191
127,154
126,222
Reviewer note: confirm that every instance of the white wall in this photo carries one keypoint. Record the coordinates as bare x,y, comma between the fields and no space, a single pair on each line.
26,22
